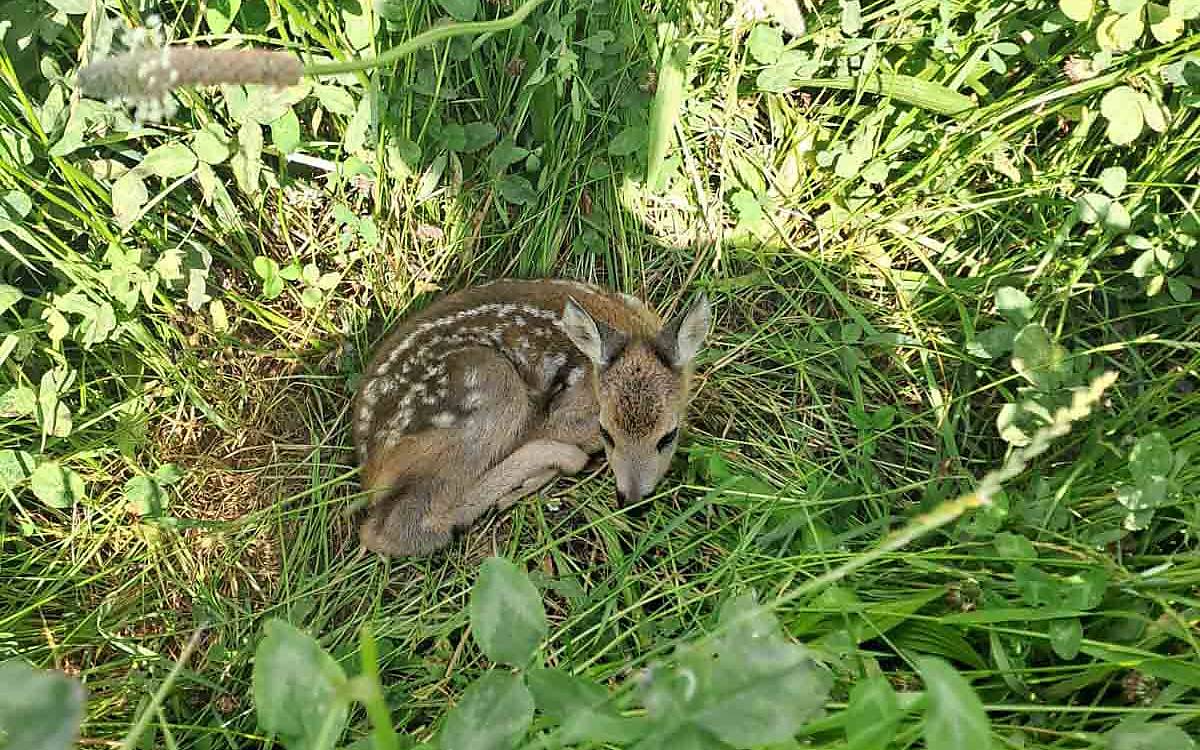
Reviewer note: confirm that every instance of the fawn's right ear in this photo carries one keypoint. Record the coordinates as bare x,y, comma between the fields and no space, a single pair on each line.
597,340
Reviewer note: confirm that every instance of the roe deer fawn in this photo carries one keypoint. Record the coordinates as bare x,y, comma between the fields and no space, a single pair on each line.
490,393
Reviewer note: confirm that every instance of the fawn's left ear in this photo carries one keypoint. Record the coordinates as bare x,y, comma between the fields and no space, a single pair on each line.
681,338
599,341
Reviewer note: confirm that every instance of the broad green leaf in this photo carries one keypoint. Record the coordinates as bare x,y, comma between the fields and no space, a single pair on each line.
1180,290
507,618
1151,457
1112,181
219,14
55,415
220,317
403,157
358,24
15,468
18,401
955,718
765,43
851,19
1188,10
776,79
129,194
285,132
1145,264
1076,10
211,144
56,485
1014,547
292,271
873,715
265,267
516,189
1154,113
335,99
169,161
505,154
97,326
15,205
686,737
748,686
495,712
265,104
197,289
582,708
71,7
1037,358
298,689
478,135
1065,637
1117,218
1164,26
1127,30
1014,304
992,343
310,297
359,127
1092,207
247,162
598,41
453,136
461,10
39,709
144,497
1126,6
9,296
57,325
628,141
168,474
747,206
1148,736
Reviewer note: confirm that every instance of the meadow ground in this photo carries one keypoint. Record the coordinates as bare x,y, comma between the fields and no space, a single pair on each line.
903,293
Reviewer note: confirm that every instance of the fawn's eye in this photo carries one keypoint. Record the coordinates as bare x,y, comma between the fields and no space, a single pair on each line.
607,437
666,440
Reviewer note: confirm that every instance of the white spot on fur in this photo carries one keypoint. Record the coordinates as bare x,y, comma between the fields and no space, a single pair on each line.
575,375
471,377
551,365
443,419
472,400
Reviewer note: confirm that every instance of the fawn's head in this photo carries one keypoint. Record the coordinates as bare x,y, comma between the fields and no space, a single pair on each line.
642,386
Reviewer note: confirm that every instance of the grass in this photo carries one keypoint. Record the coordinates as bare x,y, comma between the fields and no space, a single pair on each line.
843,389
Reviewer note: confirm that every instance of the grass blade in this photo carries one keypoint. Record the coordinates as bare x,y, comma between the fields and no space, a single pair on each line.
672,77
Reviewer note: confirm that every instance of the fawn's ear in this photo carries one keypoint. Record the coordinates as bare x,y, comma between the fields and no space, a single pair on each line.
598,341
681,338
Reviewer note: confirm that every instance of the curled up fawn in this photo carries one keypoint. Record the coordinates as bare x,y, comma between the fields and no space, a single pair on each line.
488,394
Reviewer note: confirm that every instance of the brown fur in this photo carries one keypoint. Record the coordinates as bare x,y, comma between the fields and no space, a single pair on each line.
485,397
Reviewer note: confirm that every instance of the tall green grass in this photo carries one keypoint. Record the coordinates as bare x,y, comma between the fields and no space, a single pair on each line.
870,261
